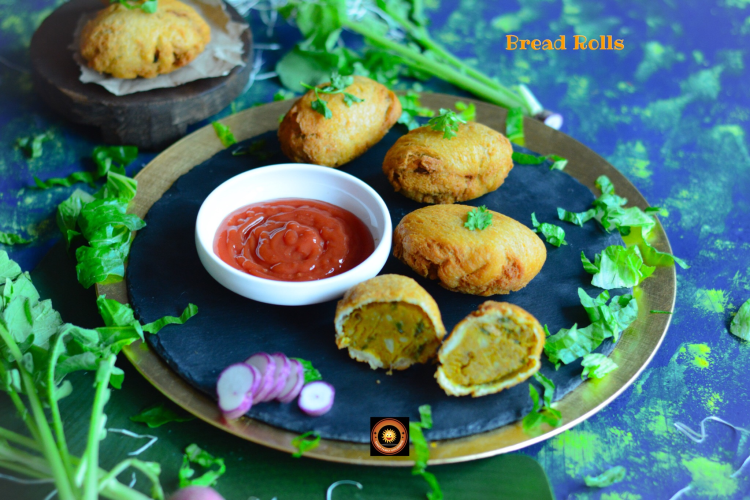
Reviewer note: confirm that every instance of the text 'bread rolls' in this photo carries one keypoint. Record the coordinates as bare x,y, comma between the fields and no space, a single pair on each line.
307,136
493,348
389,322
501,258
128,43
425,167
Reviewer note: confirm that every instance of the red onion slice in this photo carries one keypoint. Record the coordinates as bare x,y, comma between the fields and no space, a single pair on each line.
267,367
316,398
232,388
294,382
283,367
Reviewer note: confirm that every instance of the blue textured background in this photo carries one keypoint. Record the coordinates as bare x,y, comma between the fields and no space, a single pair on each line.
671,111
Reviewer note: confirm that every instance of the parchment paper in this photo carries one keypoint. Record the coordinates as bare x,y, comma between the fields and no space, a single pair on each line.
221,54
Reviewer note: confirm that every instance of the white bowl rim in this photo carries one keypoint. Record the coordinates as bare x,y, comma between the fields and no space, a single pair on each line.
331,281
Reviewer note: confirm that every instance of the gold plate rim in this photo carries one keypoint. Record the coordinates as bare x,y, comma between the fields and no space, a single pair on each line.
633,352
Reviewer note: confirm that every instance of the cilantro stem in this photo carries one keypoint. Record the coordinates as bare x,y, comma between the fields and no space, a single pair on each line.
44,433
96,428
57,424
136,464
497,95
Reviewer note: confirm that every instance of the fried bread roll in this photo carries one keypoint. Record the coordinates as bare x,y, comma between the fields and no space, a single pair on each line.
128,43
502,258
389,322
427,168
493,348
306,136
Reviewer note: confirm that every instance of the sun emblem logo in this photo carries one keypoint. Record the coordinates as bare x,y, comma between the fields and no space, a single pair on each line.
389,435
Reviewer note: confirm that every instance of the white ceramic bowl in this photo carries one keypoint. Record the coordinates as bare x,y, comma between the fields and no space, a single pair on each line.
293,180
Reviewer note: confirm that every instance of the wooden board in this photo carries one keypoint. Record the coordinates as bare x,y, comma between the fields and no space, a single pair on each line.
150,120
632,354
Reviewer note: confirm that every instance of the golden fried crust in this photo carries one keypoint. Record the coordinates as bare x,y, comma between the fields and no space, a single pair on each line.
502,258
131,43
384,288
423,166
306,136
531,332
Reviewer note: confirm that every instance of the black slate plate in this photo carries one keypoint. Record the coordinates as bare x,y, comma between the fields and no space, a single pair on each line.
165,274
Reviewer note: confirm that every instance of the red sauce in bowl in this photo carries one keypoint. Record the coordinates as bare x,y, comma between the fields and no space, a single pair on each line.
293,240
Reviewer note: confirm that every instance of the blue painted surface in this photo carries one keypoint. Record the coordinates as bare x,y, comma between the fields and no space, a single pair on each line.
672,111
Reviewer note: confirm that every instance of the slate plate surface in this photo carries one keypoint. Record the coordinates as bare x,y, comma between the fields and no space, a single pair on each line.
229,328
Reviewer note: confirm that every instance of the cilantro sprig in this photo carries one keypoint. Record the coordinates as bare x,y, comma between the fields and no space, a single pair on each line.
447,122
147,6
555,235
557,162
480,218
411,108
542,412
338,85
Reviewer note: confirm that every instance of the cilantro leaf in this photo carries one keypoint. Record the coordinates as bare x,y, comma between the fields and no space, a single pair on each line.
148,6
567,345
303,443
447,122
161,414
578,218
32,145
656,311
617,267
555,235
557,162
466,111
12,239
337,85
283,95
350,99
311,373
154,327
606,478
597,365
741,323
514,126
195,455
107,159
321,107
425,416
542,413
479,218
412,108
224,133
422,451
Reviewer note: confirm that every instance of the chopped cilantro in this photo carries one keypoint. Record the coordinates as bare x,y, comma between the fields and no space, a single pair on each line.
741,323
542,413
12,239
305,442
161,414
195,455
283,95
224,134
338,85
606,478
466,111
480,218
557,162
412,108
311,373
597,365
148,6
107,159
576,218
555,235
447,122
617,267
32,145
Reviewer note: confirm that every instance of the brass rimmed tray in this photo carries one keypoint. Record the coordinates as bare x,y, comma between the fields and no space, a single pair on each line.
632,354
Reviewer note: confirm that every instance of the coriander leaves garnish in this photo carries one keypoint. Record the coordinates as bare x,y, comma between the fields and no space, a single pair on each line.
740,326
542,413
148,6
338,85
32,145
311,373
107,159
224,133
12,239
305,442
447,122
617,267
195,455
606,478
158,415
480,218
557,162
577,218
411,108
422,451
555,235
466,111
597,365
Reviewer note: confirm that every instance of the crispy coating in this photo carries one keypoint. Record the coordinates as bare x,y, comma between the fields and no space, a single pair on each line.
306,136
495,347
131,43
423,166
502,258
401,296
